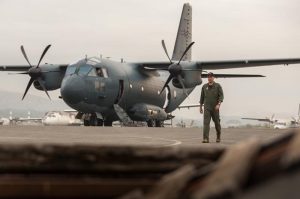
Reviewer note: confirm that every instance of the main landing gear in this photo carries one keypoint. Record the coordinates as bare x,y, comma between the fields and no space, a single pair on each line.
155,123
92,120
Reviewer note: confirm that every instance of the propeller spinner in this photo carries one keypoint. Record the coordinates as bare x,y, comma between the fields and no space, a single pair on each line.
35,72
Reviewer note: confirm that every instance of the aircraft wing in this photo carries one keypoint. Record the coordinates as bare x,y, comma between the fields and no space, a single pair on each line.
15,68
22,68
214,65
258,119
29,119
232,76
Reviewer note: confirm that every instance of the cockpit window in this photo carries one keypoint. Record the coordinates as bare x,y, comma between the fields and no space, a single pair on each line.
89,67
92,73
84,69
102,72
71,69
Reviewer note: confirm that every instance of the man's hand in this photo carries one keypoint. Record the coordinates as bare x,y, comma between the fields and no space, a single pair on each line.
201,109
217,108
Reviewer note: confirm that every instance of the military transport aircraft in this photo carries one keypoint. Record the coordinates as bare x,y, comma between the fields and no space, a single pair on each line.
293,122
103,91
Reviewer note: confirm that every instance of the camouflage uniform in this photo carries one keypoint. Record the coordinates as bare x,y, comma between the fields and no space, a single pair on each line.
211,95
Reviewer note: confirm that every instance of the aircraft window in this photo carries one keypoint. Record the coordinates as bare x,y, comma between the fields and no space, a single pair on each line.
92,73
101,72
71,69
84,70
105,74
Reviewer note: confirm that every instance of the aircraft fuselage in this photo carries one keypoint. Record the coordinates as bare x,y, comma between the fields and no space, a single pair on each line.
89,91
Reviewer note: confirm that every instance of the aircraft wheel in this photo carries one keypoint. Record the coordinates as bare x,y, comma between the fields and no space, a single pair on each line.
99,122
108,123
159,123
86,122
151,123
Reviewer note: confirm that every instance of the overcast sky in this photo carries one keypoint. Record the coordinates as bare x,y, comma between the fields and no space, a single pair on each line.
133,29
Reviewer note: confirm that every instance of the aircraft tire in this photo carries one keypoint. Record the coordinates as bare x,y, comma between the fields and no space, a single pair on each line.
151,123
86,122
159,123
108,123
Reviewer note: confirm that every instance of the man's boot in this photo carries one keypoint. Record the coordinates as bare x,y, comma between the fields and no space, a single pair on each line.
205,140
218,138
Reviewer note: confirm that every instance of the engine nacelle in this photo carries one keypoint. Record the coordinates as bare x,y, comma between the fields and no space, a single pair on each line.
191,79
51,76
144,112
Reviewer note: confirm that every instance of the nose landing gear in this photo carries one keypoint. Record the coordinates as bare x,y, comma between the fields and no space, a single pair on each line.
155,123
92,120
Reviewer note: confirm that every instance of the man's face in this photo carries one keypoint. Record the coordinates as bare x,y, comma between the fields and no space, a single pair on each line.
210,79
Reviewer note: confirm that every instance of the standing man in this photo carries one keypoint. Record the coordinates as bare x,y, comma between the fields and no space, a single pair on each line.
211,97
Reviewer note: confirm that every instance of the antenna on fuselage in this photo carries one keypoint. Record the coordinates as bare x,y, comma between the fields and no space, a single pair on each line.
86,57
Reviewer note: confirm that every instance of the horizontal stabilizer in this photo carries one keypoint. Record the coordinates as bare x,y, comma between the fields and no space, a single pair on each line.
189,106
232,76
258,119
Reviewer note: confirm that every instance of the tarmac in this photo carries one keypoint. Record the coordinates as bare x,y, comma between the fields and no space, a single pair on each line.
128,136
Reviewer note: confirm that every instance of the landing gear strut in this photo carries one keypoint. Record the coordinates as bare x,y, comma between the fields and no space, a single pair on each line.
151,123
155,123
92,120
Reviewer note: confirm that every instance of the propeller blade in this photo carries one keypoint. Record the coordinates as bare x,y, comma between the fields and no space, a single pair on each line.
28,86
25,73
186,50
25,56
166,84
43,86
182,84
166,51
43,54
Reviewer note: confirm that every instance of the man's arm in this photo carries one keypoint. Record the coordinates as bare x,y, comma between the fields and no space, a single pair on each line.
221,94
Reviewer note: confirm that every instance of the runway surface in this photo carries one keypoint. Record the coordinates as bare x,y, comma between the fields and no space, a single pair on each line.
127,136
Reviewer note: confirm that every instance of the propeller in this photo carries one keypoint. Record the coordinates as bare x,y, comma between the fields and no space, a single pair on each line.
35,72
175,69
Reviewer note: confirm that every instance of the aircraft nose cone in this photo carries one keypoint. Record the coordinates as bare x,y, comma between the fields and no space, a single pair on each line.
73,90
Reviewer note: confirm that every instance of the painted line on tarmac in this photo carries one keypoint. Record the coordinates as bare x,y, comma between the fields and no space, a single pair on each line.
174,142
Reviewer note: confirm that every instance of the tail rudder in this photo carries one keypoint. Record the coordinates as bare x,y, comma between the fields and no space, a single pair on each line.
184,34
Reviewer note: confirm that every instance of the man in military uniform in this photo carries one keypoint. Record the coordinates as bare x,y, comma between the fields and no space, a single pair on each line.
211,97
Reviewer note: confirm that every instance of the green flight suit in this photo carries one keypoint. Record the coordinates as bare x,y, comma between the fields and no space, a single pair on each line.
211,95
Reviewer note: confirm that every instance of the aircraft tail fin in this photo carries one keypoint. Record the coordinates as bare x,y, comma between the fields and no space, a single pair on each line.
184,34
